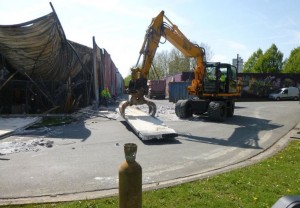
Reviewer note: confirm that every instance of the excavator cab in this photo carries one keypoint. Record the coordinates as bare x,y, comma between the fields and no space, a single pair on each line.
219,78
216,99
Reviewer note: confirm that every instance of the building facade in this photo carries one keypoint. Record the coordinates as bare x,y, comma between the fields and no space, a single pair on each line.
238,63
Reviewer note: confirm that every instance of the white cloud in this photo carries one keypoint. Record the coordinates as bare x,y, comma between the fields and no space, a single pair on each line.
235,45
291,38
296,35
19,13
221,58
286,22
126,8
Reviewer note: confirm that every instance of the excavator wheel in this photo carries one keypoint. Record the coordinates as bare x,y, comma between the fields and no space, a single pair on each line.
230,110
178,108
217,111
183,109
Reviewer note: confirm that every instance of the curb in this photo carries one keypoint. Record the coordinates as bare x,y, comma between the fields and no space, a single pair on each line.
95,194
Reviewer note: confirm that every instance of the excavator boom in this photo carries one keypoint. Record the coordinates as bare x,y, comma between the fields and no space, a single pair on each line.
138,84
215,84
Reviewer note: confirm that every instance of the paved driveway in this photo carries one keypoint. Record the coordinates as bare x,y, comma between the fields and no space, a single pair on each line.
84,157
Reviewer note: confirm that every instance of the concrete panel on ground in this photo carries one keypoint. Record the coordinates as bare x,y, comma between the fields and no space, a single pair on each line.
146,126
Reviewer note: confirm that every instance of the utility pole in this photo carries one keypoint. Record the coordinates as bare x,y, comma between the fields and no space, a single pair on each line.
237,62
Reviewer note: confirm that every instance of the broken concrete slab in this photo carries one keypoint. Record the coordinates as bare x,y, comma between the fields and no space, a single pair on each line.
10,125
146,126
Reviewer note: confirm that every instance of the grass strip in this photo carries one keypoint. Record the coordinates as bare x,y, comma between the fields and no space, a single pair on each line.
259,185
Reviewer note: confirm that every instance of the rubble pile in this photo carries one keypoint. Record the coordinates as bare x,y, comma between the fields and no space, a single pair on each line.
24,146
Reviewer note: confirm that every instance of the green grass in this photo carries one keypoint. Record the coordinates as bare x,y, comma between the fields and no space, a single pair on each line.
259,185
52,121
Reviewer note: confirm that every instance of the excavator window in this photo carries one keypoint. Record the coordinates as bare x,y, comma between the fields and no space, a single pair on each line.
210,79
223,80
232,79
214,78
211,73
220,78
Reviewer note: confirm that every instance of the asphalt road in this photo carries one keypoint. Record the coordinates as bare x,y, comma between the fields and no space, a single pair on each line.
84,159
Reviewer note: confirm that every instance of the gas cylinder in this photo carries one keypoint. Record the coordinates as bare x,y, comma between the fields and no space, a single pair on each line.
130,179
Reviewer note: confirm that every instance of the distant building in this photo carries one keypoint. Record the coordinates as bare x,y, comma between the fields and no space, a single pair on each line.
238,63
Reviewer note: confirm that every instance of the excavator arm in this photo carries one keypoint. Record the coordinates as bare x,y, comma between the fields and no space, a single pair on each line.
158,28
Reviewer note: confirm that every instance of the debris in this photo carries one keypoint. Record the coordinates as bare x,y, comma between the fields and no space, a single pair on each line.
24,146
112,115
296,136
41,142
165,112
49,144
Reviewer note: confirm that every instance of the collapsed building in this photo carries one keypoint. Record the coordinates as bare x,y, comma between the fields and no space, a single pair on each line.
41,71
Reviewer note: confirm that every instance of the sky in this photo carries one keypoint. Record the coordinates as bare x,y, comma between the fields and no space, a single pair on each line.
228,27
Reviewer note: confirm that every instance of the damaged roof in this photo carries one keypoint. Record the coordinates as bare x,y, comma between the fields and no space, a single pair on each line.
39,49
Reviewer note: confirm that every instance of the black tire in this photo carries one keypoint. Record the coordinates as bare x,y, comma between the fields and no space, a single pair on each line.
177,108
217,111
230,110
277,98
183,109
296,98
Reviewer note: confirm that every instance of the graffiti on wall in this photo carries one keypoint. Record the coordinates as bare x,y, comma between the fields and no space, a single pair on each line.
261,85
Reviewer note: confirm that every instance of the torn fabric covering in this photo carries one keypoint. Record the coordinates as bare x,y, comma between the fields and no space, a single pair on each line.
39,49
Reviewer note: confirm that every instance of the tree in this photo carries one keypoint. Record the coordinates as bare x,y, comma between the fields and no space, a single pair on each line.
160,65
208,52
208,55
126,80
172,62
270,61
177,62
250,63
292,64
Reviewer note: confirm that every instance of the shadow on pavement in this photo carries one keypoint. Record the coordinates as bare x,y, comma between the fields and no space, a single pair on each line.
75,130
164,141
239,107
245,134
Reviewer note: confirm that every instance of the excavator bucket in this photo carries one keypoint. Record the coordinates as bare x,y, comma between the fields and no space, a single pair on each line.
122,106
136,100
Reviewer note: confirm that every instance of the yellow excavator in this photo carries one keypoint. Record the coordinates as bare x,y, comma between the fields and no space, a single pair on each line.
214,87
